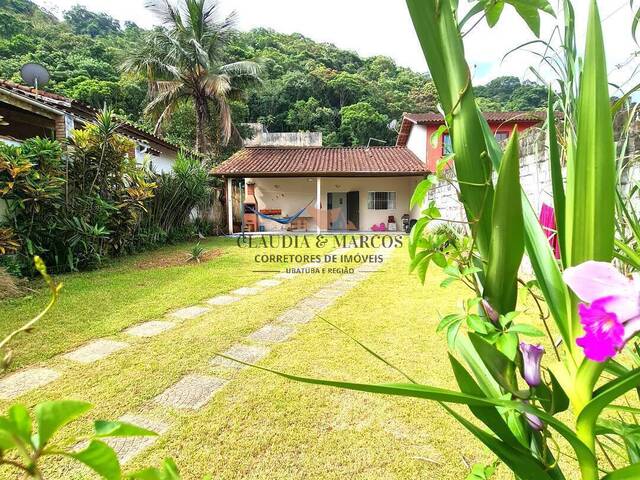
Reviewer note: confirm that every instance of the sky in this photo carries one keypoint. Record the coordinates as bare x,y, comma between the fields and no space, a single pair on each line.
383,27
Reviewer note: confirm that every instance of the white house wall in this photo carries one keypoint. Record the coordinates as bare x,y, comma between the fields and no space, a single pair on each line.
162,163
417,142
291,194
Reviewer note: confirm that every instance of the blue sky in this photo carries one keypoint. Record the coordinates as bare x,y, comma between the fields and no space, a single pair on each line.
383,27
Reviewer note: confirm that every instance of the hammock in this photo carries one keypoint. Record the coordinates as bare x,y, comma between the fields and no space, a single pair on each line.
283,220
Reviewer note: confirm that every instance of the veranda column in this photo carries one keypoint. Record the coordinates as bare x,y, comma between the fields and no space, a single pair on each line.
318,203
230,204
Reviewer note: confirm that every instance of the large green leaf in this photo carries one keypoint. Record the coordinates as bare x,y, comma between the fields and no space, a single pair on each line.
507,233
632,472
557,182
100,458
120,429
591,175
168,471
19,417
437,31
539,251
51,416
501,367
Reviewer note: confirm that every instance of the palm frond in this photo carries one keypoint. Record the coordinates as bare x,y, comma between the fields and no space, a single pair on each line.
244,68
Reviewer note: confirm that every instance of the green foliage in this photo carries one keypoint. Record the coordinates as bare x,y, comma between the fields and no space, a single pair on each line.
361,121
510,93
85,22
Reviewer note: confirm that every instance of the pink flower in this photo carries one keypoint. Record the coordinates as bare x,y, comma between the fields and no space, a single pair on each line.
610,315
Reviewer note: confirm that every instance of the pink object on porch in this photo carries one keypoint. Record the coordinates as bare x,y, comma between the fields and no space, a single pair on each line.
379,228
548,223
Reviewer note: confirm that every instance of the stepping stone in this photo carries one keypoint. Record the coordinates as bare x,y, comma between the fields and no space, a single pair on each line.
268,283
189,312
328,294
285,275
315,303
149,329
22,382
246,291
223,300
94,351
344,285
296,316
128,447
246,353
272,334
190,393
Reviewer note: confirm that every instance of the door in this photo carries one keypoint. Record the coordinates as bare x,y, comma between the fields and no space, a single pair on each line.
337,210
353,211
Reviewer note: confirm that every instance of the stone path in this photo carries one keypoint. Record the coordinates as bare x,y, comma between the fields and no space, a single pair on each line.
192,392
128,447
24,381
149,329
94,351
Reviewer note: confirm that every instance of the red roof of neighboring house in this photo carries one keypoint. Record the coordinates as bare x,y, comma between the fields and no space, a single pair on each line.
321,162
81,110
493,118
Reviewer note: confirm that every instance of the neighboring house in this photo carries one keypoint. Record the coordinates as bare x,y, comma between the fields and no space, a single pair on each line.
30,114
343,189
417,130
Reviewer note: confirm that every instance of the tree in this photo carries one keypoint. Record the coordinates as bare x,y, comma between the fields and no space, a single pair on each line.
425,99
184,59
85,22
347,88
310,115
361,122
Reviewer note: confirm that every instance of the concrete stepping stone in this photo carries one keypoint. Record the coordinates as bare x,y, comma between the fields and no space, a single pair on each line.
296,316
191,393
272,334
268,283
246,291
328,293
128,447
286,275
223,300
94,351
24,381
189,312
315,303
246,353
149,329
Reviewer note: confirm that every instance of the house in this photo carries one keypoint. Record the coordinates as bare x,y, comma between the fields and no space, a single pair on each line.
417,130
29,113
327,189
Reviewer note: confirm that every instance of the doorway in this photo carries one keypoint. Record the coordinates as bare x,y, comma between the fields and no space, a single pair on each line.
343,210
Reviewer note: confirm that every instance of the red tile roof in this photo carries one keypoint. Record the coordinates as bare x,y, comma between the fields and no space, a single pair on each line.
322,162
503,118
81,110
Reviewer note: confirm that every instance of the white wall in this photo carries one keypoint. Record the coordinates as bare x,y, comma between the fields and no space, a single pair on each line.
162,163
417,141
291,194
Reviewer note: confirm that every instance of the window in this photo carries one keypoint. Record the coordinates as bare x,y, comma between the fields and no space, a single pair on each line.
447,148
381,200
501,136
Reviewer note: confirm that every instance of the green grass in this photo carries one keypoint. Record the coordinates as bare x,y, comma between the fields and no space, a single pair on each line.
261,426
103,302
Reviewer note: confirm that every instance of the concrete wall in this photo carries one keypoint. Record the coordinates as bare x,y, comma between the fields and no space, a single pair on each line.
418,141
162,163
291,194
285,139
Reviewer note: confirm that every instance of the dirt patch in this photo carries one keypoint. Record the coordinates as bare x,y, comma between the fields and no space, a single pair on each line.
176,259
11,287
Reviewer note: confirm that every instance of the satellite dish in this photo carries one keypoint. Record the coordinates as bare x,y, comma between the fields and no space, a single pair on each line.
35,75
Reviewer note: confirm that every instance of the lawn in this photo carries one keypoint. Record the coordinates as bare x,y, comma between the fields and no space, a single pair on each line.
260,425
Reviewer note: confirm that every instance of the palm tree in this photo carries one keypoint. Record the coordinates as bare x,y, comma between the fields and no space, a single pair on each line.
182,60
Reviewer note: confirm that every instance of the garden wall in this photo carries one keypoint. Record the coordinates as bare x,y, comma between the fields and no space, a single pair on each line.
535,175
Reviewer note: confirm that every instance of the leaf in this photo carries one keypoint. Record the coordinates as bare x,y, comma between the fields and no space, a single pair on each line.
557,181
168,471
421,191
477,324
554,400
527,330
120,429
632,472
507,343
591,175
529,14
487,415
416,234
507,233
493,12
502,369
521,462
19,416
101,458
51,416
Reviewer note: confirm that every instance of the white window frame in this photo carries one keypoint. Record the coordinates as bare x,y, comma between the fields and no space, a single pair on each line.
371,206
